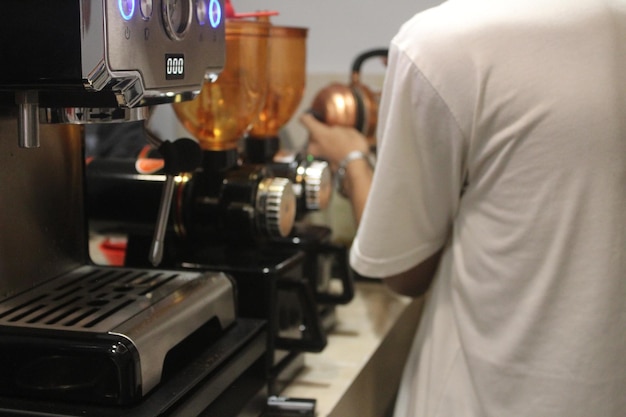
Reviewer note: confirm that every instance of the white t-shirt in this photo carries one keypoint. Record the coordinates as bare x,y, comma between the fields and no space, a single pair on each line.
502,137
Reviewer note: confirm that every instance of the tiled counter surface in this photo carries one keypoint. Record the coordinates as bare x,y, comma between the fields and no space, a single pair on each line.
357,374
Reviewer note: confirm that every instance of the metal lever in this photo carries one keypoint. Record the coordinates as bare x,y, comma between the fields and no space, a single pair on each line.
156,248
290,407
181,155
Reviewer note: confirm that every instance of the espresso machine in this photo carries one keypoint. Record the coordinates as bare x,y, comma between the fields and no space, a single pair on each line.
78,338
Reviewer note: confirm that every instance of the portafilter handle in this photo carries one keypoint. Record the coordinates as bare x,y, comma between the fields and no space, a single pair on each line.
181,155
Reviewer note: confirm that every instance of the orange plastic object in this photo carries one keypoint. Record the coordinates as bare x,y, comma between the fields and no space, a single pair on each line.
287,78
226,108
231,14
114,251
230,11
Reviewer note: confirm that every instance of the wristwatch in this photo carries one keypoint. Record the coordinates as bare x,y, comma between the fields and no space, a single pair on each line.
340,175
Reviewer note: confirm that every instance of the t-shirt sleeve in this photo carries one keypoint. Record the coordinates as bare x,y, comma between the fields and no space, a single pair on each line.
418,178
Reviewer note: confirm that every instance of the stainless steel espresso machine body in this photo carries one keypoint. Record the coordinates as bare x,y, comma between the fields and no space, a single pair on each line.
76,338
79,61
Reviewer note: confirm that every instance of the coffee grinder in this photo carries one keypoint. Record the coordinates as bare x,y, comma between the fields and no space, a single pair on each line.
224,214
326,262
77,338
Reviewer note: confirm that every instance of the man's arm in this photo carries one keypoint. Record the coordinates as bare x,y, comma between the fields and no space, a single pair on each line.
416,281
334,143
357,184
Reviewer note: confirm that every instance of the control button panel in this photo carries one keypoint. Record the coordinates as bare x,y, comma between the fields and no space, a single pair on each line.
145,6
161,40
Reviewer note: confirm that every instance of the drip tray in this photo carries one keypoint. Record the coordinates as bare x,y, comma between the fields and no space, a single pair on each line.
102,334
220,373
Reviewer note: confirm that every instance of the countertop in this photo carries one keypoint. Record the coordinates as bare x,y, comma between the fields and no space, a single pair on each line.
358,373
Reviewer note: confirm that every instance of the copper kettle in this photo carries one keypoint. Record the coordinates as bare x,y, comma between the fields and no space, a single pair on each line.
353,105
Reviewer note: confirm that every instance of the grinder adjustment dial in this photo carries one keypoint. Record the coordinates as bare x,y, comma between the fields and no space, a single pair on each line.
276,204
317,185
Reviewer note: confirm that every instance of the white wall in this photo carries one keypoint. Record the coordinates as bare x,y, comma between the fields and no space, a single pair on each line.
339,29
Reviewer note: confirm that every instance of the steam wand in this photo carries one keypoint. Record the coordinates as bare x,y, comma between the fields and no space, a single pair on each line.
181,155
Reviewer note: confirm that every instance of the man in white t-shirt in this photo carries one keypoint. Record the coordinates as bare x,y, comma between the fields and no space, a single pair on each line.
501,178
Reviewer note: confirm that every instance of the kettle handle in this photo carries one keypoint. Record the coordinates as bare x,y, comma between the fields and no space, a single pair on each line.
364,56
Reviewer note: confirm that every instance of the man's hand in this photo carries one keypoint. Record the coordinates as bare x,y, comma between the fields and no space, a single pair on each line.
332,143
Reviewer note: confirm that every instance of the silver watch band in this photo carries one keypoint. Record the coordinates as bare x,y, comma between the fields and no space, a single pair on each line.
343,165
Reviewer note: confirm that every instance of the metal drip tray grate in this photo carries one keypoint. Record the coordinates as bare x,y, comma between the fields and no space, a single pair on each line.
91,299
136,317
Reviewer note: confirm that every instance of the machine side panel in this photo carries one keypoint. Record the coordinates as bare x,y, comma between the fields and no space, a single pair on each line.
42,226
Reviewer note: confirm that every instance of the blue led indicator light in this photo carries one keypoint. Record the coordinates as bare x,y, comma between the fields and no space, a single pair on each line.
127,8
215,13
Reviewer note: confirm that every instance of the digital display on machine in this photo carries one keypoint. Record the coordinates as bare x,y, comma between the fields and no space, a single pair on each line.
174,66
